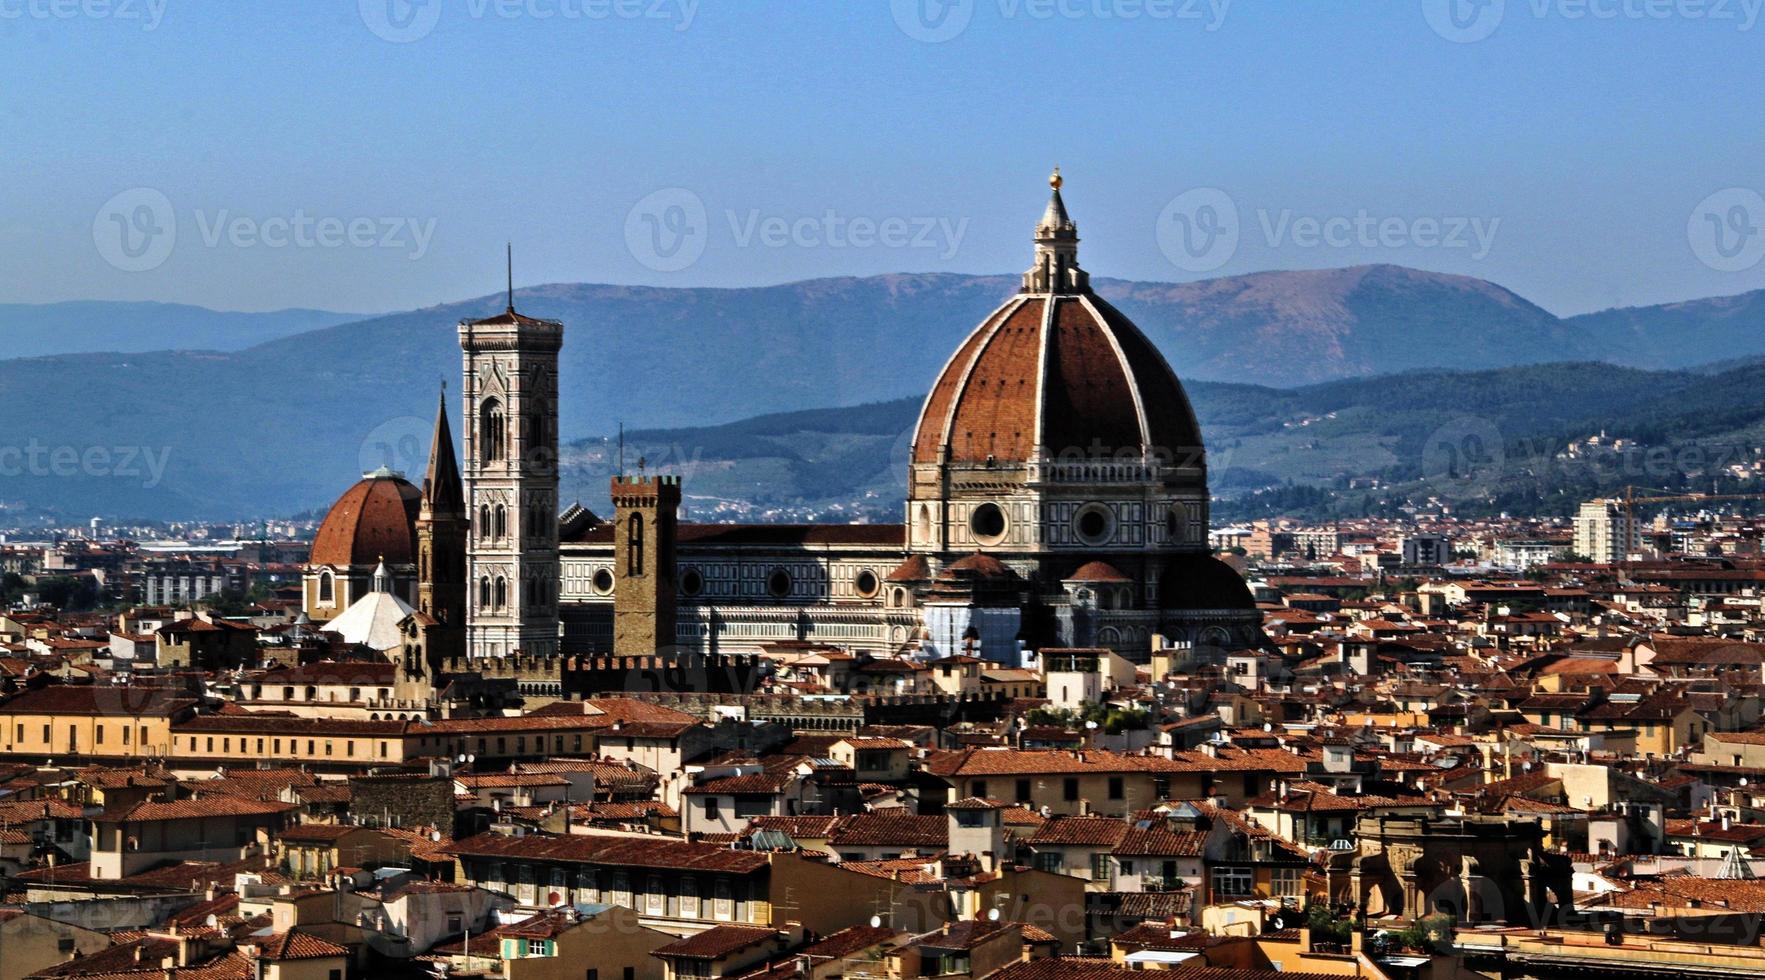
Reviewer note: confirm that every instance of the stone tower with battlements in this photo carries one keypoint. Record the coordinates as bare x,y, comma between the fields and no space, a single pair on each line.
511,452
646,517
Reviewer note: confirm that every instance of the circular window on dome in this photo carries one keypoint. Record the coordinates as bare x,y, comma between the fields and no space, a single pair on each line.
988,524
867,584
691,582
1094,524
779,583
603,581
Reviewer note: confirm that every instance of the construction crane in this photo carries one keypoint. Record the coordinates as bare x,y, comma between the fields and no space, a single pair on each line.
1630,500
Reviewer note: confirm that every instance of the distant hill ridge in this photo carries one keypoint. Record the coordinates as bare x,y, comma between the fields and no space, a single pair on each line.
285,424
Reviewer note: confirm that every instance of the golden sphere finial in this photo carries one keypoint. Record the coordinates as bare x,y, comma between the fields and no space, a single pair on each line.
1054,179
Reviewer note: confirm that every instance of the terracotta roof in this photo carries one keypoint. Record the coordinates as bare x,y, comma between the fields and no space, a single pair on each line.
1008,762
153,811
887,829
966,934
1097,571
612,851
297,945
1157,840
979,565
1094,831
94,699
717,942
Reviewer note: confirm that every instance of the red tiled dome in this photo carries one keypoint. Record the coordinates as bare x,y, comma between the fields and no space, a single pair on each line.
1065,372
1098,571
373,521
979,565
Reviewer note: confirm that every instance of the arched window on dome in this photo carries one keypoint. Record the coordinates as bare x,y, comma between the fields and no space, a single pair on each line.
327,588
502,592
492,431
922,523
634,546
502,521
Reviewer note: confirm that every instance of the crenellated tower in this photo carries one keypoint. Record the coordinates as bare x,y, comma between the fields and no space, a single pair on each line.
646,517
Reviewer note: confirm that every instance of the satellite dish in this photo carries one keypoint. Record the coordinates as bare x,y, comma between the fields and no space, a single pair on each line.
992,915
1743,780
876,922
1091,725
1268,726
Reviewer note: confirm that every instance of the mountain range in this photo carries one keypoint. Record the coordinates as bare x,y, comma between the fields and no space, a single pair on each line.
33,330
281,426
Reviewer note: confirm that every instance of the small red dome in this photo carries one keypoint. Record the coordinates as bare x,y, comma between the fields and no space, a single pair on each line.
979,565
373,521
1098,571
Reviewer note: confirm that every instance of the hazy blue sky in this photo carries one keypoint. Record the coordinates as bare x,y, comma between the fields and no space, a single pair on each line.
1585,153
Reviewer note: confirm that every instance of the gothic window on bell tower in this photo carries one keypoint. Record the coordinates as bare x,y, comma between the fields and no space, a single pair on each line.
492,431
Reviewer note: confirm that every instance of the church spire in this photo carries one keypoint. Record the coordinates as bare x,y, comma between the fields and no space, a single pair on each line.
1057,249
443,493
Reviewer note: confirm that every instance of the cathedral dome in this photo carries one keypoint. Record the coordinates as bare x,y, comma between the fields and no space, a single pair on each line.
1056,373
373,521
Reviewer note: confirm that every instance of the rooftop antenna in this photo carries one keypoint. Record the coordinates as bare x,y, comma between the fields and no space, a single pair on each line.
621,447
510,255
